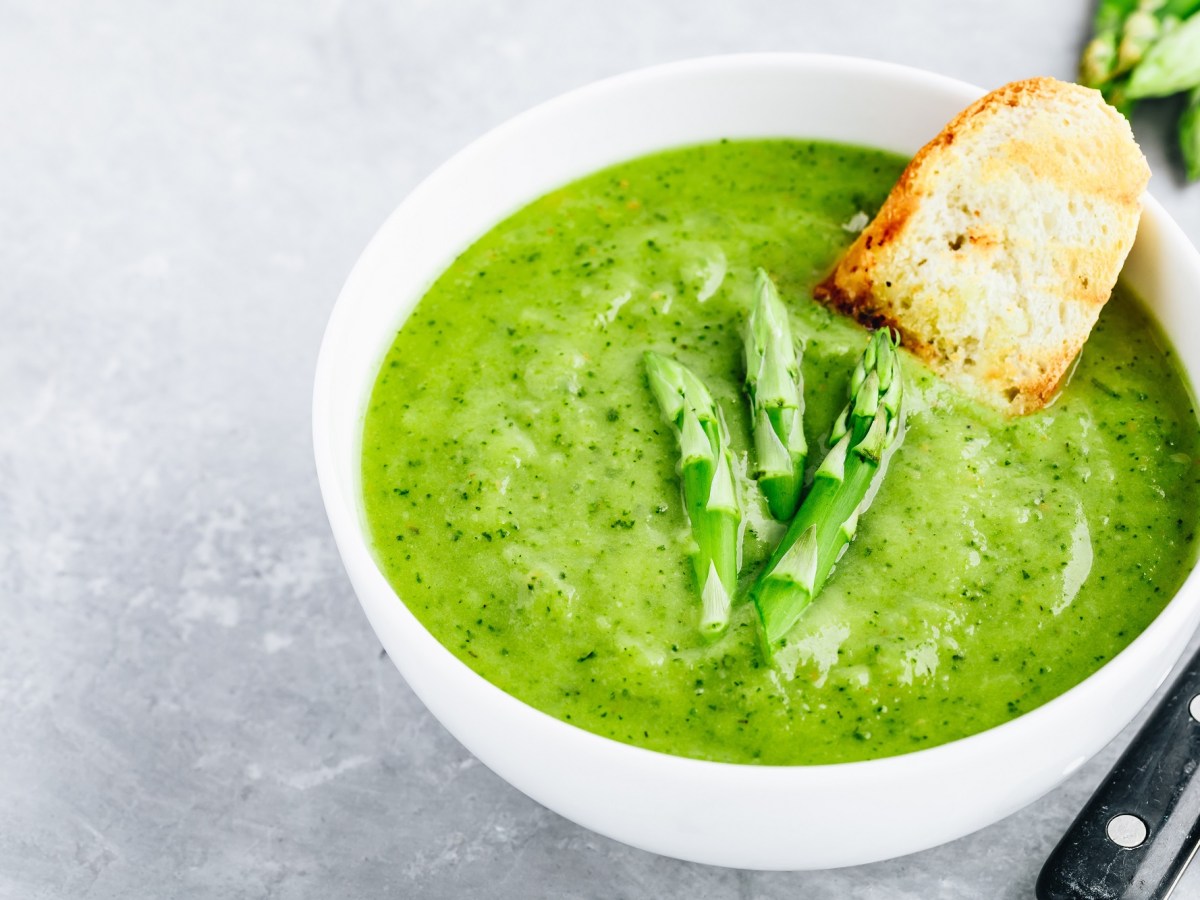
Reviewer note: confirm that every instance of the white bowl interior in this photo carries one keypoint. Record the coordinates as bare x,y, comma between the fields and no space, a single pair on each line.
757,817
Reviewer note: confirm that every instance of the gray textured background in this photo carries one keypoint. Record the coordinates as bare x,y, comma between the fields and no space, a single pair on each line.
193,704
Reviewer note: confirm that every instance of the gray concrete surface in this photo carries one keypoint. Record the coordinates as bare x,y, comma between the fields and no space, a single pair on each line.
192,703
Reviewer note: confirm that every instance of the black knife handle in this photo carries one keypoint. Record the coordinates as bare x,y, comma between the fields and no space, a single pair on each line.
1152,794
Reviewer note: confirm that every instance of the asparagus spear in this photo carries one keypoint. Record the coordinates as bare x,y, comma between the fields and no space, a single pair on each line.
709,493
776,391
1171,65
841,491
1099,62
1189,135
1141,29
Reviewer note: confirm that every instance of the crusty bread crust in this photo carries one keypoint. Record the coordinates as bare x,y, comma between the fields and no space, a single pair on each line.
1001,242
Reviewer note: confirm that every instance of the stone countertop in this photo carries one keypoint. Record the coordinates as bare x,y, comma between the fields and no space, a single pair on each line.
193,703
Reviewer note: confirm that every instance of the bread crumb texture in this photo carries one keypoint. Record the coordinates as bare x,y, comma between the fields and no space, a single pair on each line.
1002,241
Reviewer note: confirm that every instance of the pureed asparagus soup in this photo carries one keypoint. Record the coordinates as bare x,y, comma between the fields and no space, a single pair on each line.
522,492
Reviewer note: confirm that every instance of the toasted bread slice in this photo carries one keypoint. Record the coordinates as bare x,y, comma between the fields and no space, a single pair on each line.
1001,242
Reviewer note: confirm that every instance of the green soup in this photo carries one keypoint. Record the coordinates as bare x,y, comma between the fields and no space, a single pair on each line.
520,485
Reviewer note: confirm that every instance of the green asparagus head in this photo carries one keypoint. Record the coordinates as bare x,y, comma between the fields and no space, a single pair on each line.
676,388
770,353
876,391
708,487
1098,61
1141,30
843,487
776,393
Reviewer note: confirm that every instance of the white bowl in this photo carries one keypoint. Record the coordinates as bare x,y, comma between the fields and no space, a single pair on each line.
758,817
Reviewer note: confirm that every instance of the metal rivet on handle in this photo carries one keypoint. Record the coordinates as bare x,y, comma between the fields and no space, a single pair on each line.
1194,708
1126,830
